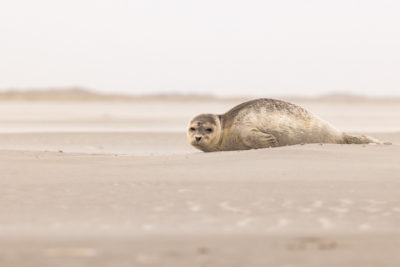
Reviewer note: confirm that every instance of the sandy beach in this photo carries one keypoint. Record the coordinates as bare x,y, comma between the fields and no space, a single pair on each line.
115,183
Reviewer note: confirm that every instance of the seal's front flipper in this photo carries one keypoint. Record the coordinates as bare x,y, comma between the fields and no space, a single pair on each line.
258,139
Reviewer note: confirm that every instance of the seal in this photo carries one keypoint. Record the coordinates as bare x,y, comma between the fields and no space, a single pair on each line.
263,123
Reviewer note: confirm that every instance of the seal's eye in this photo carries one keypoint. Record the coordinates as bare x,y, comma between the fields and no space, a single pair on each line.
209,130
192,129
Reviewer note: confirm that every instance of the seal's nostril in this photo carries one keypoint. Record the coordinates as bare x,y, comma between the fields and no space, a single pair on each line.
198,138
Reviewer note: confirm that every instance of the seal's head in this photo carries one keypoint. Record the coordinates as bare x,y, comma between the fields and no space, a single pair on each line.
204,132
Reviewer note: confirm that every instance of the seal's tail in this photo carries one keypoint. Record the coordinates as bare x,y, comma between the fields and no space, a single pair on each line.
362,139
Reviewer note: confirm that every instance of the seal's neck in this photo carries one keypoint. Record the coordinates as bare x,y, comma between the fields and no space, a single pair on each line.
221,127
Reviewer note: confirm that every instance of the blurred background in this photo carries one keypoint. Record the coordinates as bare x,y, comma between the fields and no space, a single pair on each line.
224,48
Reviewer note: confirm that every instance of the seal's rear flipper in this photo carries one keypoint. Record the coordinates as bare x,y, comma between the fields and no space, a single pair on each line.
362,139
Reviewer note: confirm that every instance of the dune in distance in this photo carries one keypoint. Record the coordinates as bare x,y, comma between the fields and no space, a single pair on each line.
99,180
83,94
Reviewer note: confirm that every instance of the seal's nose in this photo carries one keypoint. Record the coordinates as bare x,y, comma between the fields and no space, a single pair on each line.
198,138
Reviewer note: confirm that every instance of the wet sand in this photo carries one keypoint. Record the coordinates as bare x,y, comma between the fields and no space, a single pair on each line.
98,184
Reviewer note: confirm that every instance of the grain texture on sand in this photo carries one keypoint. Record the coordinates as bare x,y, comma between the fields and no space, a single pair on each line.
120,186
335,205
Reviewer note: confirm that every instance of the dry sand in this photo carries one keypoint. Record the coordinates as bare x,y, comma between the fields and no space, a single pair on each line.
116,184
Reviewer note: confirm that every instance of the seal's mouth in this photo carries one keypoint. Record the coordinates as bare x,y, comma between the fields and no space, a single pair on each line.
197,142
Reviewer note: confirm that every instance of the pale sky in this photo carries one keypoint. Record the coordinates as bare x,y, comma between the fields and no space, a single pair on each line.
222,47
